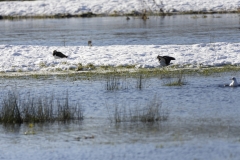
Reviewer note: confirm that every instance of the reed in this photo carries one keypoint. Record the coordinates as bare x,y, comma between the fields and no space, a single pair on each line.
16,110
177,79
151,112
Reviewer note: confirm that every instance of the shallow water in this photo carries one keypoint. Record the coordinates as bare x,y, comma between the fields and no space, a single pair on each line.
201,109
199,97
176,29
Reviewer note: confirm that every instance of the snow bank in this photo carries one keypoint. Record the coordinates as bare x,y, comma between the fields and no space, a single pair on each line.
39,58
76,7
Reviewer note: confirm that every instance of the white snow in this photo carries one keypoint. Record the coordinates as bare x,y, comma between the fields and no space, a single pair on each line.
52,7
39,58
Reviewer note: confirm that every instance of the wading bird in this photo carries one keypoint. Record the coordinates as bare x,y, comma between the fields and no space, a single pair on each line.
234,82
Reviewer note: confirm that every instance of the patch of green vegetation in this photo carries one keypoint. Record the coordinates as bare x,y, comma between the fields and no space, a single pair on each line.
58,69
35,76
175,83
90,66
127,66
106,67
93,72
16,110
72,68
88,14
178,77
114,14
42,65
79,67
64,62
57,16
151,112
214,70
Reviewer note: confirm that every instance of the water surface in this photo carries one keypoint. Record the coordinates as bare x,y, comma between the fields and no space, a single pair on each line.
159,30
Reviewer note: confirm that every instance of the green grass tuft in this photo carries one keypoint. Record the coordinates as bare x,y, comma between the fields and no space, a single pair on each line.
16,110
151,112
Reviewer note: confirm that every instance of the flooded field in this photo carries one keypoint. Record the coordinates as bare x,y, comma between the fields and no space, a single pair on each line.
200,98
202,116
200,109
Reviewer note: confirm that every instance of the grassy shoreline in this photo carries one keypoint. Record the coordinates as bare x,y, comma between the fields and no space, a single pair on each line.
17,108
124,72
116,14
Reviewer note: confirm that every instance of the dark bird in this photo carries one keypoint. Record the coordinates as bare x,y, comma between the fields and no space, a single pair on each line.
90,43
58,55
165,60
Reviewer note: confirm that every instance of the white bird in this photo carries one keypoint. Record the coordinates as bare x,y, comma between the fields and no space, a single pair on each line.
234,82
165,60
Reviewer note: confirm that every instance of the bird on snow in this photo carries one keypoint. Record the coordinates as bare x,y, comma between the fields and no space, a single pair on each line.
234,82
90,43
165,60
57,55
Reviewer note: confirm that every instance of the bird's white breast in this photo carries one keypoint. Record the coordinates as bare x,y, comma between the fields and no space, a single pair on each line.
233,84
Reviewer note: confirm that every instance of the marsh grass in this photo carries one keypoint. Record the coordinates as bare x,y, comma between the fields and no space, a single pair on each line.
90,66
87,67
98,73
116,82
216,70
177,79
80,67
150,112
16,110
10,111
141,80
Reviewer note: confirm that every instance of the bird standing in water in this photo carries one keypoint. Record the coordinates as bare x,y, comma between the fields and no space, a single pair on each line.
234,82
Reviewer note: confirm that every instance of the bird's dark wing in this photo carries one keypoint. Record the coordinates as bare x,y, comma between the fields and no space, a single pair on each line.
62,55
168,59
59,54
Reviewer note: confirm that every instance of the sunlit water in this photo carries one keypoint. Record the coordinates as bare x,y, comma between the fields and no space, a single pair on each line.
176,29
201,107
